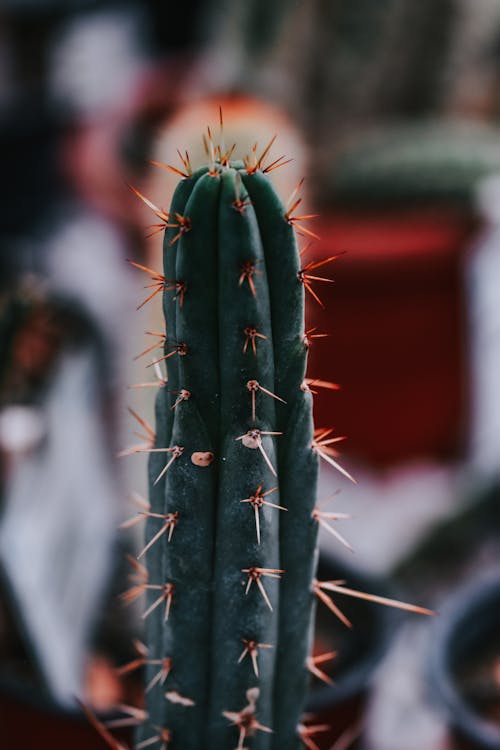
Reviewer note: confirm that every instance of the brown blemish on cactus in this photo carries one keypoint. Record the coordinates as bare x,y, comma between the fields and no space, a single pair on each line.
253,386
254,576
202,458
174,697
252,649
257,501
167,593
251,334
253,439
248,271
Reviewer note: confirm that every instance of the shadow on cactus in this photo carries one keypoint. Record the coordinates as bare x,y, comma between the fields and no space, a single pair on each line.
232,521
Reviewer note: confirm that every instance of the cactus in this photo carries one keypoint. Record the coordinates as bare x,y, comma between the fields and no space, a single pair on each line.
230,535
231,528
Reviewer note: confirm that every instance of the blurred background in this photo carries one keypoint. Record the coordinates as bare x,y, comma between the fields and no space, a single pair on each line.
390,111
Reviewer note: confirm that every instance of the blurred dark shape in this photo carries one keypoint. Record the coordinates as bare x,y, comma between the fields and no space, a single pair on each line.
31,185
417,162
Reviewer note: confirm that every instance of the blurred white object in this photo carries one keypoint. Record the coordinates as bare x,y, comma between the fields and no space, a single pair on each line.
400,716
483,280
58,525
390,511
21,428
98,60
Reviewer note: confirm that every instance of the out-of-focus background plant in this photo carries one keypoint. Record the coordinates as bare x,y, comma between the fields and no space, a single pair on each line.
390,110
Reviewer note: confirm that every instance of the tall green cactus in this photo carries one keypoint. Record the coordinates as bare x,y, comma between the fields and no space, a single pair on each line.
231,540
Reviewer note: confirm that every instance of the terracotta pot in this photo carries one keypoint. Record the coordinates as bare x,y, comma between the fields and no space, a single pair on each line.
398,344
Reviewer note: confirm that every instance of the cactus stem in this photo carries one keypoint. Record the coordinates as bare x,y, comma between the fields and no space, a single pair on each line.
252,649
169,525
245,719
176,451
167,593
251,334
312,665
306,732
248,271
164,737
257,501
254,576
253,386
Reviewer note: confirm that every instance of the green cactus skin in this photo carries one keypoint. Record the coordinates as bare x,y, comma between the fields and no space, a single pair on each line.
215,606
